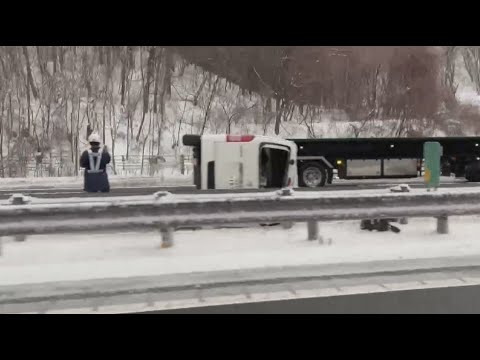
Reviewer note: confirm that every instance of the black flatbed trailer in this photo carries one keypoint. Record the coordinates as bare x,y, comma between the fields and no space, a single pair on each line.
367,158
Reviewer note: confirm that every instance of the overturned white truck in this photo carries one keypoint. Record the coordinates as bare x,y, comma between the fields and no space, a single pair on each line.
242,161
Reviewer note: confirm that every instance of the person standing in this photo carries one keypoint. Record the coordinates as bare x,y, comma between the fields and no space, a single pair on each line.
94,161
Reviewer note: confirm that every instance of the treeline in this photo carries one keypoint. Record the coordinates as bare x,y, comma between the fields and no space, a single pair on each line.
404,83
54,95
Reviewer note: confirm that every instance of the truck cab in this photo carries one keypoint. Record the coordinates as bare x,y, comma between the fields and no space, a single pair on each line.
242,161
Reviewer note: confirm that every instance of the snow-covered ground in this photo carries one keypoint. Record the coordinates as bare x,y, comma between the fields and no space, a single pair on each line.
79,257
77,182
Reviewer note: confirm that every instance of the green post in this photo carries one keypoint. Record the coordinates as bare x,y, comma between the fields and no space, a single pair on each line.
432,153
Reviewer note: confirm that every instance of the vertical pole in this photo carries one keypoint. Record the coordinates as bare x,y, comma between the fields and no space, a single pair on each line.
312,227
442,224
18,199
20,238
182,164
167,237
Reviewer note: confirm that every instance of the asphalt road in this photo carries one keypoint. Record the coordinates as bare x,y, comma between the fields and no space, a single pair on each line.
448,300
398,286
147,190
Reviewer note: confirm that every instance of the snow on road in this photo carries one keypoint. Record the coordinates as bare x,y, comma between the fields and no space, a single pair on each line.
42,183
77,182
96,256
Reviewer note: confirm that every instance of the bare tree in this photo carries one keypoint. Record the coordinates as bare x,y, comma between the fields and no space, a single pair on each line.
471,57
308,119
449,75
232,108
209,104
146,86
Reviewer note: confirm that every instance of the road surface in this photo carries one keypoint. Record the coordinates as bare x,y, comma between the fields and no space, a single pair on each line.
147,190
443,285
444,300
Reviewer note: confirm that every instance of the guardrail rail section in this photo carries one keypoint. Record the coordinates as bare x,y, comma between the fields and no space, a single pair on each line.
166,212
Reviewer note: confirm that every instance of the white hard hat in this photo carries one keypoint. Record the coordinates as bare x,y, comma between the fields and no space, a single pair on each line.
94,138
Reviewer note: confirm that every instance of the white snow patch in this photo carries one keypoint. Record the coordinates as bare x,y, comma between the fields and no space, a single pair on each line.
469,96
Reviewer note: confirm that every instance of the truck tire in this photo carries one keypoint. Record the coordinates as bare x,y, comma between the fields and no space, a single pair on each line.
312,174
472,172
472,178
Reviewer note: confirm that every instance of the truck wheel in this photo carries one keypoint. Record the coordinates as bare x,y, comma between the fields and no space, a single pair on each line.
472,178
312,175
472,172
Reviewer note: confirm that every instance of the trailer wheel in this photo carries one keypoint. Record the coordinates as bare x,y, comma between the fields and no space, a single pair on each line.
472,172
312,175
472,178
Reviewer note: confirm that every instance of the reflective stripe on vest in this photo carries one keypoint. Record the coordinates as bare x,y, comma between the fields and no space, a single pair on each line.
95,166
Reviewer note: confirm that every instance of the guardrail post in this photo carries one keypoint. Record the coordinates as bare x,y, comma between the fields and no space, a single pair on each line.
182,164
167,237
312,227
19,199
442,224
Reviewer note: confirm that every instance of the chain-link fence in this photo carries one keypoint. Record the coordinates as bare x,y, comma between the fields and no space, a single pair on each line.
149,165
56,166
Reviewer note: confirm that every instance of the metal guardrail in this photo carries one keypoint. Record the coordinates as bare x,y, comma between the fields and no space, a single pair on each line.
166,212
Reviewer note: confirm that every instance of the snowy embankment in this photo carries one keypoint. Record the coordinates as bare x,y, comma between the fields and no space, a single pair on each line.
55,258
